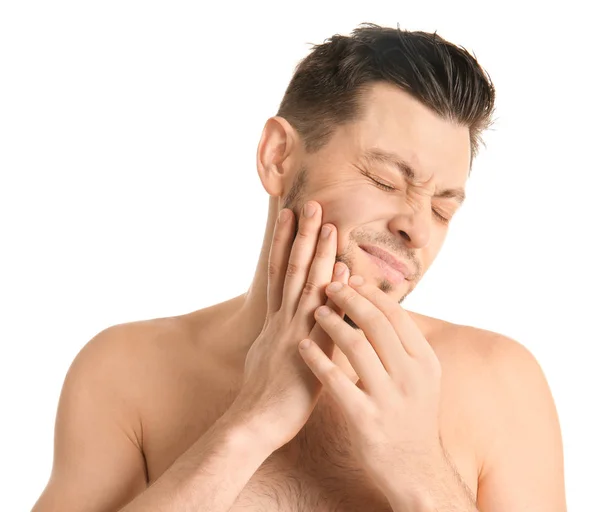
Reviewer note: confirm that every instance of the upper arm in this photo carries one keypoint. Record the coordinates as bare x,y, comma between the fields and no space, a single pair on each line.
98,462
523,465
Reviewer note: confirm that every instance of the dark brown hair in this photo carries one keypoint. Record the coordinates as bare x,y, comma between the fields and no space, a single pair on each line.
328,85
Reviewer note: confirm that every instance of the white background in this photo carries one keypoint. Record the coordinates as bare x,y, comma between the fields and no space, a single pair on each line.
128,189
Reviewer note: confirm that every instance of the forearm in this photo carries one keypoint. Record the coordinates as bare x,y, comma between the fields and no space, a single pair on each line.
442,491
209,476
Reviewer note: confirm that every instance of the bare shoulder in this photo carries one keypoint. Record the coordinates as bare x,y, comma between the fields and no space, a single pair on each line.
517,411
500,363
512,413
485,351
107,391
123,362
136,347
148,361
494,365
170,380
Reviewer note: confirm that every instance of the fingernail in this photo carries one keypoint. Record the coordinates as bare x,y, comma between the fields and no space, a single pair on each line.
334,287
356,280
339,269
325,231
284,215
323,311
309,210
304,344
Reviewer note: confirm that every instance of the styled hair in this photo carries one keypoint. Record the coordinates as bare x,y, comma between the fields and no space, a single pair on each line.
328,85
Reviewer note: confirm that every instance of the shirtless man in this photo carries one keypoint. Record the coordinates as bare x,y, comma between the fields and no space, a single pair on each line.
385,409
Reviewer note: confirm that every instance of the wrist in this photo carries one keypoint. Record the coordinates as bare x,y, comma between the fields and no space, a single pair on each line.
415,490
248,434
424,492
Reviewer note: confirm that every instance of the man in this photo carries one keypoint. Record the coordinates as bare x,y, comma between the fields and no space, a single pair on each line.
271,401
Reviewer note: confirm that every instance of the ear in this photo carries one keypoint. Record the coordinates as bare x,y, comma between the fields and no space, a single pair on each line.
277,156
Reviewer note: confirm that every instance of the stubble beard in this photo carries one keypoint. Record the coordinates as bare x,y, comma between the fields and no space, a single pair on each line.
294,201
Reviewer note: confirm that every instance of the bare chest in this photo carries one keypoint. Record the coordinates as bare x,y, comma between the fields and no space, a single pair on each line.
318,472
315,472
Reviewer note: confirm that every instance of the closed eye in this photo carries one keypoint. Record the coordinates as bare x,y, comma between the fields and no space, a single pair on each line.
383,186
388,188
440,217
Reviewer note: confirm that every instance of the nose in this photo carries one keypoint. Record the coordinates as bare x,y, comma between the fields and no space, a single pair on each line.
413,223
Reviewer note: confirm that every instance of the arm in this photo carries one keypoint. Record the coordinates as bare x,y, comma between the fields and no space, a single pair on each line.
99,464
208,477
98,460
523,469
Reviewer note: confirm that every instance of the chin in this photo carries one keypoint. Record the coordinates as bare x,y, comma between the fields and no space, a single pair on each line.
388,280
389,286
396,292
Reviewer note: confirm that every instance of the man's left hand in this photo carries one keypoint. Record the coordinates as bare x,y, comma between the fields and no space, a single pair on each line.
392,412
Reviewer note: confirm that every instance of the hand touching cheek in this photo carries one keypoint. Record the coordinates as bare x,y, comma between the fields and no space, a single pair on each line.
393,411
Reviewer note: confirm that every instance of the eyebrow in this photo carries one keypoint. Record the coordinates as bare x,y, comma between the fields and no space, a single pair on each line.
376,155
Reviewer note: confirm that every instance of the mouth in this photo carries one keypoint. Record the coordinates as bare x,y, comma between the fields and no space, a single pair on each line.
393,269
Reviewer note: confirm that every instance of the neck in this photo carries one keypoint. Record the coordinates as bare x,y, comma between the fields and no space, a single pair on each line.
249,317
250,311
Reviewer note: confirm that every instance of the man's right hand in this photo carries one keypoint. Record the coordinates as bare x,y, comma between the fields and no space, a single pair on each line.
276,399
279,391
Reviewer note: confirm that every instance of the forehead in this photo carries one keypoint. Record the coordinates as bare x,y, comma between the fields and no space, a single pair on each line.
395,122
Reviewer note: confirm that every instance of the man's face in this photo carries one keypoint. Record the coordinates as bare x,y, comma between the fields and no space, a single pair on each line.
402,220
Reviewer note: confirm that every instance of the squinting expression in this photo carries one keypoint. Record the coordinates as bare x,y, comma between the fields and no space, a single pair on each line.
392,180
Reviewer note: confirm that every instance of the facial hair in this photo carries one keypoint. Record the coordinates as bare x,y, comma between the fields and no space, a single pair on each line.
294,199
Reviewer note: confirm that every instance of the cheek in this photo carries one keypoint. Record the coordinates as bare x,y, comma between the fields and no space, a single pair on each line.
351,206
350,211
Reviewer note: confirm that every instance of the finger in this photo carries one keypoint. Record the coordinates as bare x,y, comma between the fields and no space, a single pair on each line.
360,353
279,254
341,274
375,325
319,276
413,341
301,255
317,334
337,383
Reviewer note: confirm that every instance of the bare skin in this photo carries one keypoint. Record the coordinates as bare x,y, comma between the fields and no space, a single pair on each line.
179,414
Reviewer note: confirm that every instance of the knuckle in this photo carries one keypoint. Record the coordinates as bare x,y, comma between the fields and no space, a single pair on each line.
348,298
303,233
371,413
292,269
272,270
322,251
279,237
310,288
354,345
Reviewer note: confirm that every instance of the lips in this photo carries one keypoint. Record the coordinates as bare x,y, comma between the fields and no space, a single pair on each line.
387,258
